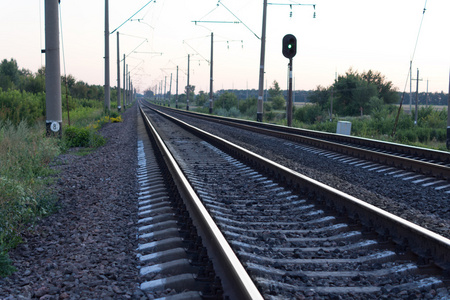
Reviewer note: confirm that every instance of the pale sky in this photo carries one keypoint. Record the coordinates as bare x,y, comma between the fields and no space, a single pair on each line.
362,34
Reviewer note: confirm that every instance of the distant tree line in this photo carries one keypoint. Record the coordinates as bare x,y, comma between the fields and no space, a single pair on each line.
13,78
22,93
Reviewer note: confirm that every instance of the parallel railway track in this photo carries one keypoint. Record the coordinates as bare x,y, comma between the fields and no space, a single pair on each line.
299,238
420,160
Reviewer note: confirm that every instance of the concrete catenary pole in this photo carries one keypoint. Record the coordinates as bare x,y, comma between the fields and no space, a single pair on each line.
176,92
417,98
211,93
107,83
448,114
165,93
259,112
52,70
410,87
188,88
124,85
170,88
118,74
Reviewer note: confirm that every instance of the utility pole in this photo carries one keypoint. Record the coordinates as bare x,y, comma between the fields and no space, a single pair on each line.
417,96
131,91
52,70
124,85
259,112
176,95
448,115
410,87
165,84
107,84
118,74
187,87
170,88
331,104
127,82
211,93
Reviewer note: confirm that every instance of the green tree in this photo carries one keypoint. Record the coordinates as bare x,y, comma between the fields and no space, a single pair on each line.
321,96
201,98
385,90
276,96
275,91
33,83
9,74
352,94
226,101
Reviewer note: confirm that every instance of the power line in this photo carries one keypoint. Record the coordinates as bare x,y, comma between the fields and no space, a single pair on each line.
210,11
238,19
409,70
196,51
131,16
420,27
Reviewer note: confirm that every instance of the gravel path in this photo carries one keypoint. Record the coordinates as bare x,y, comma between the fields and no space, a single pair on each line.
86,250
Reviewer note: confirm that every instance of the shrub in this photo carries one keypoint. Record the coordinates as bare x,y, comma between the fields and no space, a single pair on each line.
406,136
278,102
234,112
82,137
423,134
24,196
116,120
5,264
308,113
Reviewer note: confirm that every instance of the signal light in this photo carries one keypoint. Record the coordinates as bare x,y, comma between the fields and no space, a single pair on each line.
289,46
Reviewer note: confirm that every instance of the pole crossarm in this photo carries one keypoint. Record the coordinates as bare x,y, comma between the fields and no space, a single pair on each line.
292,4
225,22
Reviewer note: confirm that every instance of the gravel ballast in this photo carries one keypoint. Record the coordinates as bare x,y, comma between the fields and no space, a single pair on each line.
86,250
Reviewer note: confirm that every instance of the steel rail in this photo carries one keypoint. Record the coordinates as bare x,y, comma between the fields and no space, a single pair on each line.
235,280
319,141
421,241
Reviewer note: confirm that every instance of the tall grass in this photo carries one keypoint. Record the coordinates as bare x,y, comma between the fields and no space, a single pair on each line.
24,171
25,155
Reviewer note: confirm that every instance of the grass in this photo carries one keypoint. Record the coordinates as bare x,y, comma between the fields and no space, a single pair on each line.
25,178
25,174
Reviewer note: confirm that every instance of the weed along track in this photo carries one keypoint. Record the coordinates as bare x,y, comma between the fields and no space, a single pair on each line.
298,238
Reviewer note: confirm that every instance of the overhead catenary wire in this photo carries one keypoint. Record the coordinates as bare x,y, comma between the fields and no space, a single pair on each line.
239,19
132,51
132,16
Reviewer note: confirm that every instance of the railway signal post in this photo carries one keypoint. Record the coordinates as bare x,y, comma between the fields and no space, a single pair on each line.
289,51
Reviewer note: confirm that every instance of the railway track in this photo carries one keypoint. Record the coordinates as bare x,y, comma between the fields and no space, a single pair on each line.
173,259
414,159
299,238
